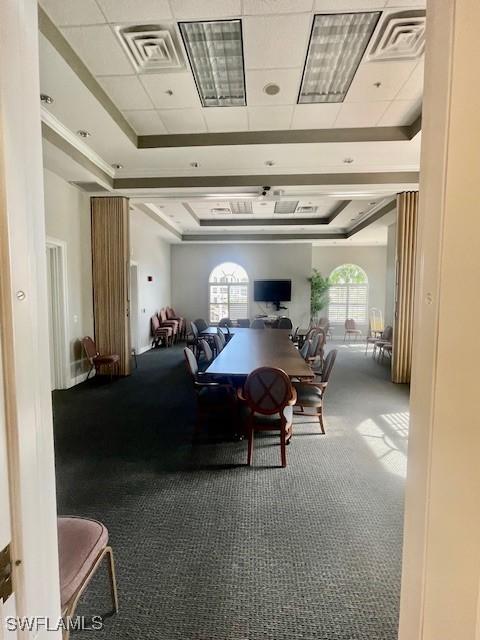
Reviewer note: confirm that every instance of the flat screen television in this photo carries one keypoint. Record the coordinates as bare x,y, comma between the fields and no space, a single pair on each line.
272,290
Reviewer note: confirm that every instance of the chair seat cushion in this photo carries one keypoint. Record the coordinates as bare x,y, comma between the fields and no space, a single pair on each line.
211,396
308,394
164,331
272,421
79,543
107,359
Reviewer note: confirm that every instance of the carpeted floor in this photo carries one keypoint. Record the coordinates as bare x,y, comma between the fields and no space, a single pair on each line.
209,549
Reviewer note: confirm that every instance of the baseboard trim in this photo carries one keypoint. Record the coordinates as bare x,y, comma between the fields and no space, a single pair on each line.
79,379
143,350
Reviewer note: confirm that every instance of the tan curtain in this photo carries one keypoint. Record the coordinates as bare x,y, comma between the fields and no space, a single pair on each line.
110,275
407,213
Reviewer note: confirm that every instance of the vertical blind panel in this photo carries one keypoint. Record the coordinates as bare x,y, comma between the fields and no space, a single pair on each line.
228,301
348,301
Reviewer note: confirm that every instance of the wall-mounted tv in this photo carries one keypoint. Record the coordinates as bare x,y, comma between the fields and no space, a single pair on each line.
272,290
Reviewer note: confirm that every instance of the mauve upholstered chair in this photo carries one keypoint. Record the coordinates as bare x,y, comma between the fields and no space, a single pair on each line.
351,329
82,545
97,360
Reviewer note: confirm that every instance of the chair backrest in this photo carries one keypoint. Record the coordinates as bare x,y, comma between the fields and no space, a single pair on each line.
90,348
268,390
201,324
295,334
194,329
323,322
258,323
221,337
162,316
284,323
328,365
350,324
191,362
244,323
170,313
207,351
225,322
305,350
218,343
311,332
154,323
388,333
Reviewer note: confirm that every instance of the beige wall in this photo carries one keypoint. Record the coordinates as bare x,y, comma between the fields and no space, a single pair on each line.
390,274
191,267
152,255
67,218
371,259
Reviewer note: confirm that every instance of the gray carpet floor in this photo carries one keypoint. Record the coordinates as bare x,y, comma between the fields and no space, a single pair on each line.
209,549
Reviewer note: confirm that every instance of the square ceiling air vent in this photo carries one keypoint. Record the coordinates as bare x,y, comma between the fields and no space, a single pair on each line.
286,206
401,36
241,206
151,48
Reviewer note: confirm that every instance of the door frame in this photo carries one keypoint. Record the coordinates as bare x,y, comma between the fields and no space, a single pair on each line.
136,343
59,291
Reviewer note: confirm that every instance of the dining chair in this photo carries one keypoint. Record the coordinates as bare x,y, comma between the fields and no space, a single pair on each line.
217,344
206,349
221,337
82,546
225,322
316,350
351,329
243,323
385,339
97,360
305,350
160,334
201,324
312,394
212,397
284,323
258,323
193,338
269,398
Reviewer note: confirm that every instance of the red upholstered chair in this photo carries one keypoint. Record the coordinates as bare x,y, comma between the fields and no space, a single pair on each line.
97,360
172,315
269,397
164,322
160,334
312,394
82,545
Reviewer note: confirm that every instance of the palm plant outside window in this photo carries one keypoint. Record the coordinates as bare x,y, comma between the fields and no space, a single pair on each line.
228,292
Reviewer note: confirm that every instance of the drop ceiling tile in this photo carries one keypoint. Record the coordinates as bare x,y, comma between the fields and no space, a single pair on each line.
158,87
127,92
73,12
99,49
348,5
315,116
413,87
287,79
198,10
270,118
145,122
256,7
183,120
138,11
226,118
276,42
360,114
391,76
400,113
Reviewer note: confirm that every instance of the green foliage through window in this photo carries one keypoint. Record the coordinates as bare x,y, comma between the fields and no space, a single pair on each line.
348,274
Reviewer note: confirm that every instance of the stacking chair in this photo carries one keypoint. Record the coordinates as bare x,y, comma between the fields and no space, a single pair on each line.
225,322
201,324
193,338
284,323
217,343
384,343
221,337
172,315
312,394
244,323
82,546
97,360
212,397
164,322
269,398
351,329
258,323
160,334
206,349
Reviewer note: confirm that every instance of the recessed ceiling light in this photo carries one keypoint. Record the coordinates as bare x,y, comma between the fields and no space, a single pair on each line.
83,134
372,203
269,163
215,53
377,84
46,99
348,160
271,89
195,165
337,44
169,92
115,165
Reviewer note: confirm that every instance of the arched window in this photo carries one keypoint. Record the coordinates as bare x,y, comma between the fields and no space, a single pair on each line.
228,292
348,294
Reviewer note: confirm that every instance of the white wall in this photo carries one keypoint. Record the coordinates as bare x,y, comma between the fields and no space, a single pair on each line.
192,264
371,259
67,218
390,276
152,254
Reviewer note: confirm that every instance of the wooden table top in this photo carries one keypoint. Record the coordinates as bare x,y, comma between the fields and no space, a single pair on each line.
209,331
249,349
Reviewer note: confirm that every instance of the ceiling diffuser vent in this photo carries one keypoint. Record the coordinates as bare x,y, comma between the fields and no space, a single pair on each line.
220,210
241,206
307,209
286,206
89,187
401,37
151,48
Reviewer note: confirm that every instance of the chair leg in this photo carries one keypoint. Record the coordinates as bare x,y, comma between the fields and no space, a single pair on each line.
113,579
283,447
91,369
320,419
250,445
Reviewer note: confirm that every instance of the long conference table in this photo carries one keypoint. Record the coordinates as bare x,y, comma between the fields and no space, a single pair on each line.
249,349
